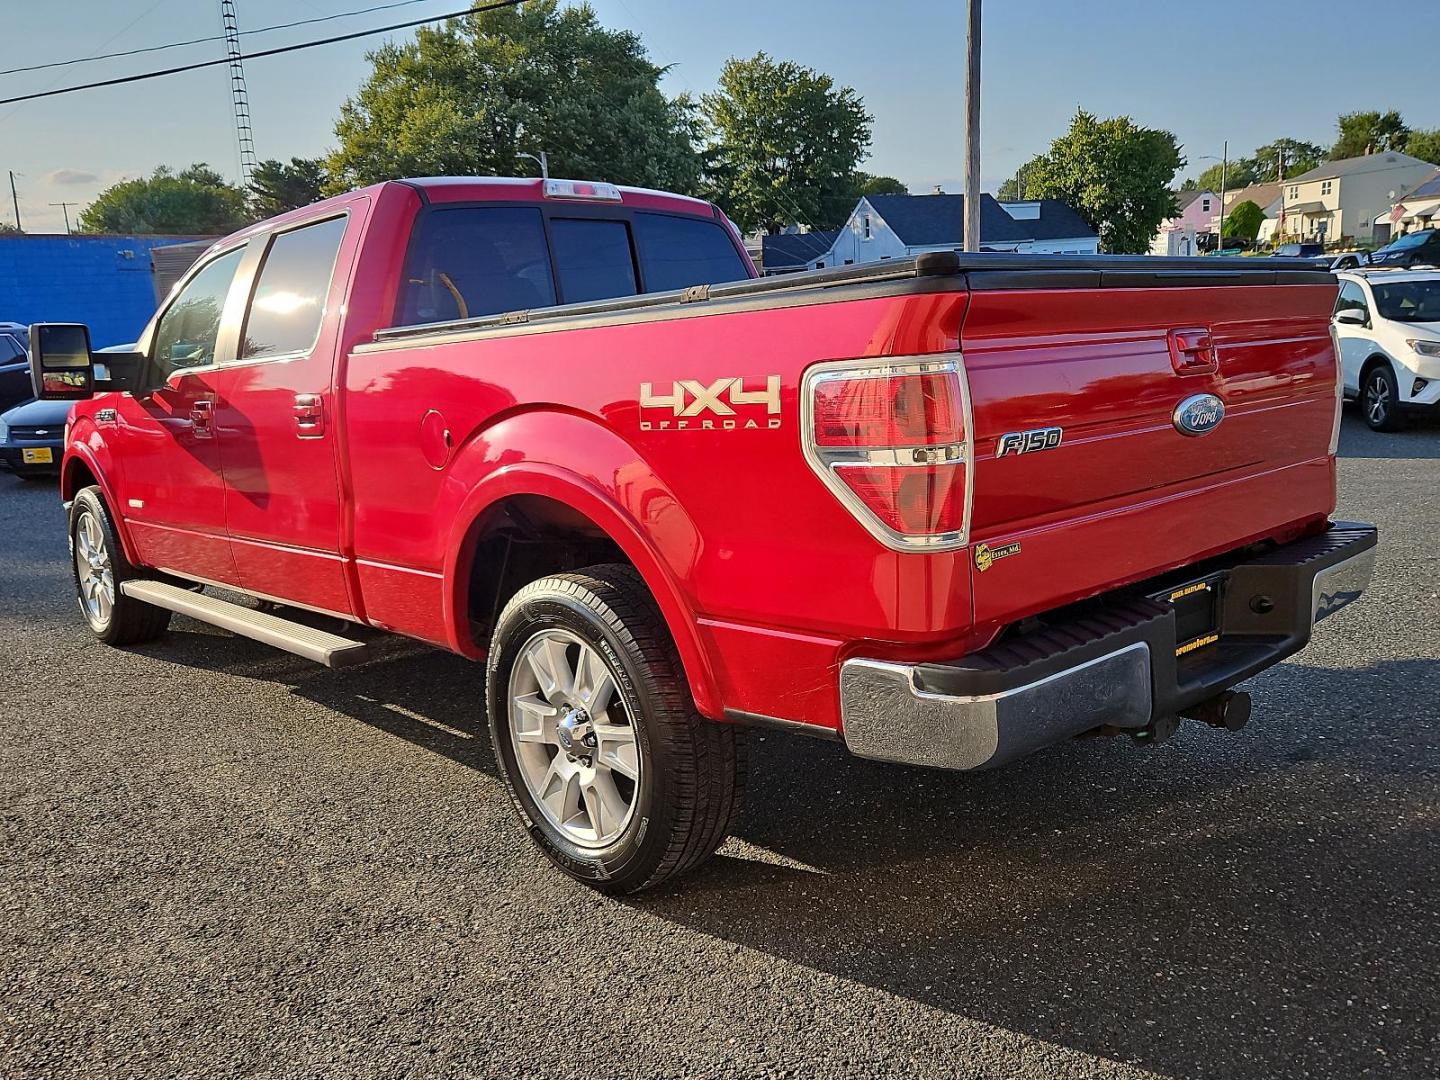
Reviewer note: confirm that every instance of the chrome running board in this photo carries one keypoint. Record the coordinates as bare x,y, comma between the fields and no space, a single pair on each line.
332,650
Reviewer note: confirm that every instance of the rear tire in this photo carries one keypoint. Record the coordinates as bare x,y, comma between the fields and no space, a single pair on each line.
643,789
99,566
1380,399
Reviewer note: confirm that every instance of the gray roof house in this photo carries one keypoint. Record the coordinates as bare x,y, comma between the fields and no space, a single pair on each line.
784,253
895,226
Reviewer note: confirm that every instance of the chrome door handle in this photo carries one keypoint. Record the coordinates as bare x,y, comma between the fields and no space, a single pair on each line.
202,416
309,416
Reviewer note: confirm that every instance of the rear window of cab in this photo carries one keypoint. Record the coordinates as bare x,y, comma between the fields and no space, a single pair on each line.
468,261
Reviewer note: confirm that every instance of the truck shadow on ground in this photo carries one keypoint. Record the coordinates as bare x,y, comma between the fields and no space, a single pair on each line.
1276,885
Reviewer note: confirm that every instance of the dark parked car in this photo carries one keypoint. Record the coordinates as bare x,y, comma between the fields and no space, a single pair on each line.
32,438
14,367
1413,249
1300,251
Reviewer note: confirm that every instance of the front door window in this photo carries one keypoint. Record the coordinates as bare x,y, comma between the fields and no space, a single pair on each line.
186,335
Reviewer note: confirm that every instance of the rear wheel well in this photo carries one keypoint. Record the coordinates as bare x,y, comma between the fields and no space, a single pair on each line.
521,539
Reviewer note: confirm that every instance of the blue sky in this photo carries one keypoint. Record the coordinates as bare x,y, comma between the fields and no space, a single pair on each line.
1158,61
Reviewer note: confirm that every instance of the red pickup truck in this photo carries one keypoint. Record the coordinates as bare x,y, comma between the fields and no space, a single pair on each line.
950,509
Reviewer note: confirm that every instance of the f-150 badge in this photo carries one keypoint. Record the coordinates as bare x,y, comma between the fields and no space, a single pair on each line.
1027,442
727,399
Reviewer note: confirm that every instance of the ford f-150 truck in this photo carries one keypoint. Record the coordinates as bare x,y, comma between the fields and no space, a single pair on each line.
950,509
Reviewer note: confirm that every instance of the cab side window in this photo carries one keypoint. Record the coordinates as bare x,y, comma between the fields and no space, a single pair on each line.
289,300
185,336
1351,298
677,252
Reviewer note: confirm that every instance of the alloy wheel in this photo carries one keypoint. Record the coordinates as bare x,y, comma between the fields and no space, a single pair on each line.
574,739
94,573
1377,399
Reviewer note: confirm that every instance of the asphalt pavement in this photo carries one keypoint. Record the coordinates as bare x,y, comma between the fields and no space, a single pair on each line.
217,859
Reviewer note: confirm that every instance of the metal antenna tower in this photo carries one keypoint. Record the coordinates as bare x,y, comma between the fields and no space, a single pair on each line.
238,94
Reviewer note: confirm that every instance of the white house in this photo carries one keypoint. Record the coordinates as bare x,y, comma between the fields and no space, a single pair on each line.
1344,197
1419,209
895,226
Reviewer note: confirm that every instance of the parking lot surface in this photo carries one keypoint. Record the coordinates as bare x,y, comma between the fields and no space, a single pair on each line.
219,859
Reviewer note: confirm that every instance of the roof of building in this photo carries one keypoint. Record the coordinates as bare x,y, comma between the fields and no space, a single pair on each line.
1184,198
1262,195
923,220
795,250
1327,170
1426,188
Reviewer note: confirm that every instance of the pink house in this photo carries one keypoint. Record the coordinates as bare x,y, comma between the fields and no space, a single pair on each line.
1199,213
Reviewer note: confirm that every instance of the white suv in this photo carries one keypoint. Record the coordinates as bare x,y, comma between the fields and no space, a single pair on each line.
1387,333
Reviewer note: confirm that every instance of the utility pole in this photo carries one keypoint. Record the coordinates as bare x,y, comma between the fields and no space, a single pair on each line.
65,208
972,128
1224,168
1280,229
239,96
16,200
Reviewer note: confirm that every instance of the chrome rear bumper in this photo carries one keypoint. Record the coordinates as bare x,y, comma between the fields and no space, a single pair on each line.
1115,667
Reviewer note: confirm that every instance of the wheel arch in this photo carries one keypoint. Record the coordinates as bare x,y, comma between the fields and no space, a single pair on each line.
595,517
80,469
1373,361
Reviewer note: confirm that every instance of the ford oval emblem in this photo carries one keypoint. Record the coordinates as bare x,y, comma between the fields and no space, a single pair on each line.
1198,414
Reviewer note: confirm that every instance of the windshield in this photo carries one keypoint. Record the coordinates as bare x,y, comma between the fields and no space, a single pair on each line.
1408,301
1412,240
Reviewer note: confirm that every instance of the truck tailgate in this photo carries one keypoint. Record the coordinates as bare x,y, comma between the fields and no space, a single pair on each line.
1122,493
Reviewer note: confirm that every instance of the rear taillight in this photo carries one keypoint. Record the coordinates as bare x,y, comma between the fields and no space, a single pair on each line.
890,439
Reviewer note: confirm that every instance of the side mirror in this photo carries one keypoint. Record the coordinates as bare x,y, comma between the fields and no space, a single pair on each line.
1352,317
61,368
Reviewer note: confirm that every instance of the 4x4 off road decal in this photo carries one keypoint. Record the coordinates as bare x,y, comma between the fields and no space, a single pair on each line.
723,405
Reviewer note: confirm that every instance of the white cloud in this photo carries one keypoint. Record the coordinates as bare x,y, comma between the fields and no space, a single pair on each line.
71,176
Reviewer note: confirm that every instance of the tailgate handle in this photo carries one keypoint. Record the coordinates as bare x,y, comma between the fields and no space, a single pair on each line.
1192,351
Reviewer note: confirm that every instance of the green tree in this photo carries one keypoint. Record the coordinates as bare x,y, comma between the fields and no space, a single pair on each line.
1015,189
1369,133
867,184
468,97
276,187
1237,173
784,144
1244,219
1115,174
196,200
1299,156
1424,145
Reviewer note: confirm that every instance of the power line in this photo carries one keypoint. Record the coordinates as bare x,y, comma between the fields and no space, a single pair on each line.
494,6
204,40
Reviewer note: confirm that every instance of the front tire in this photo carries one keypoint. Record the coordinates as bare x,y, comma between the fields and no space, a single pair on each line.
616,776
99,566
1380,399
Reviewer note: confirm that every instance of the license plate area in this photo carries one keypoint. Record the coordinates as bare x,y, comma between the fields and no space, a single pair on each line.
38,455
1197,612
